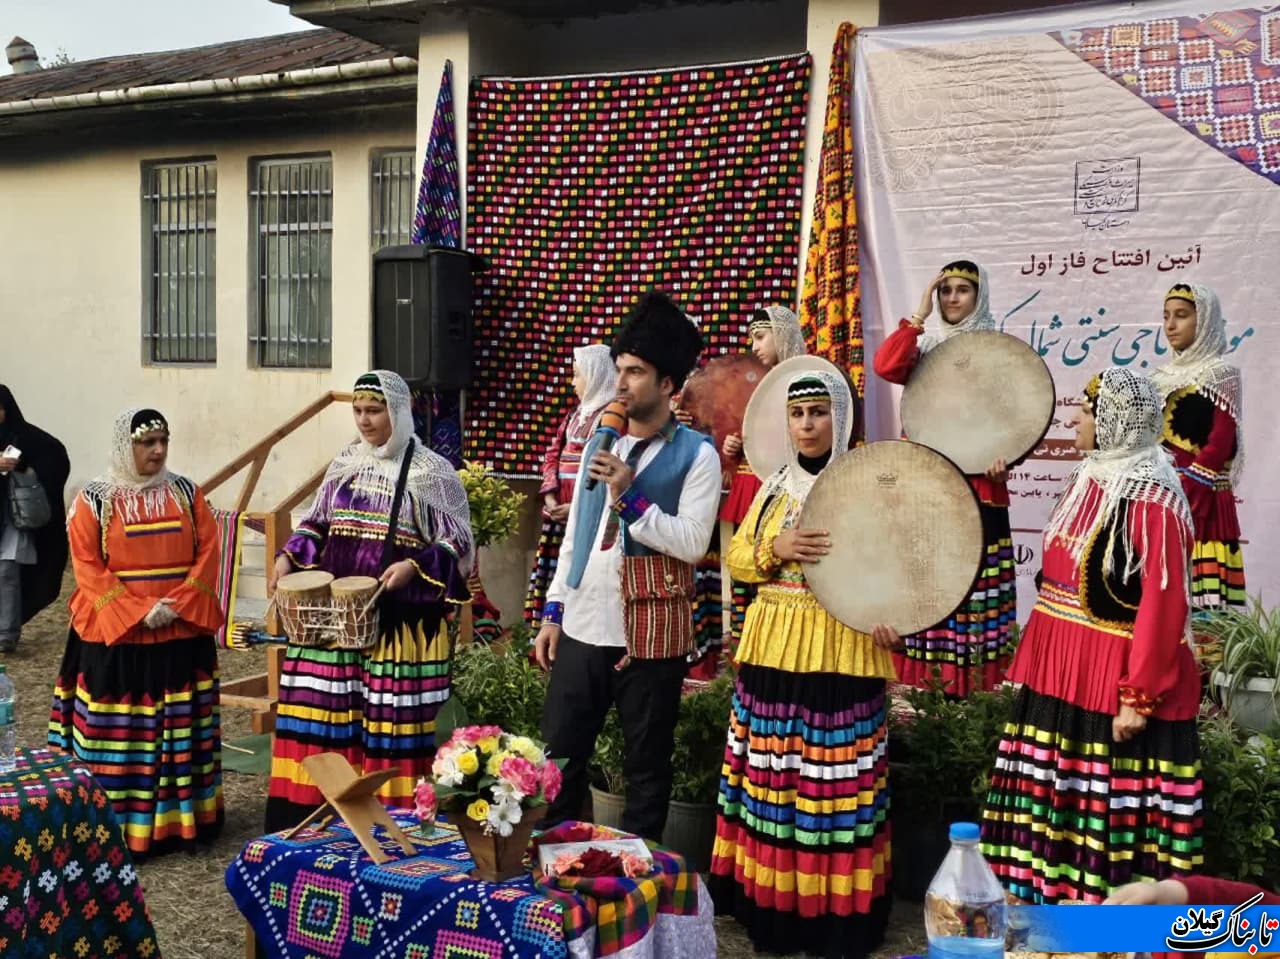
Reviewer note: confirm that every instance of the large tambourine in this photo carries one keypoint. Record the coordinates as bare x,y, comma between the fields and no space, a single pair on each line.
979,397
764,428
906,537
716,396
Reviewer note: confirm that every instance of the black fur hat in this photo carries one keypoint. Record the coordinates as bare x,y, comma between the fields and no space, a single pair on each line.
659,332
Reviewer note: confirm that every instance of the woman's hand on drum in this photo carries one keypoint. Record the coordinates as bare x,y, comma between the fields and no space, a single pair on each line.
1127,723
283,567
732,446
998,472
926,302
802,545
886,637
397,575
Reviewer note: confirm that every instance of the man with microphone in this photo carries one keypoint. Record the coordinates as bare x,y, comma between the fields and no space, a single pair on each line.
623,633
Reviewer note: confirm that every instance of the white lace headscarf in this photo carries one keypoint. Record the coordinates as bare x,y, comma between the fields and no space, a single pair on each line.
594,364
794,478
432,485
979,319
122,488
1201,366
1128,465
788,338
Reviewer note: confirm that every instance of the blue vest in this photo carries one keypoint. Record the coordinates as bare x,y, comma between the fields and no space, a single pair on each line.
662,481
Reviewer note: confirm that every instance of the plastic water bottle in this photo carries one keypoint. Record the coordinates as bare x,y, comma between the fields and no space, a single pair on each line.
964,909
8,722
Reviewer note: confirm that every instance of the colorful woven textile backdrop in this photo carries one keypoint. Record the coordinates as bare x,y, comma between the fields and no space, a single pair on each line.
586,191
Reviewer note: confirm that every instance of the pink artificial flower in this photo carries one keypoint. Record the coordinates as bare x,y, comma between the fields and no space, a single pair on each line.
520,773
564,863
424,801
634,866
551,780
470,735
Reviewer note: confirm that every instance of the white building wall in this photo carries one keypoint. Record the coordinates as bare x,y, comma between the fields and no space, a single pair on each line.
71,261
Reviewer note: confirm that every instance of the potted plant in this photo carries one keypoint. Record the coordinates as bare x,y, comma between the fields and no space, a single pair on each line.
697,761
493,785
495,515
608,785
1241,776
941,750
494,685
1244,644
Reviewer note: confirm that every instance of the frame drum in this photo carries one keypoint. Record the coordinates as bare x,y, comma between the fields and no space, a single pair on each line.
906,537
979,397
716,396
764,427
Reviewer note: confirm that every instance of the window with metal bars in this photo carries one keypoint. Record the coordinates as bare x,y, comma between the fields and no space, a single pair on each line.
291,200
391,200
179,212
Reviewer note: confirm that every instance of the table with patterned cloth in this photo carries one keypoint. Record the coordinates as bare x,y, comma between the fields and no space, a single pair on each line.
320,895
68,887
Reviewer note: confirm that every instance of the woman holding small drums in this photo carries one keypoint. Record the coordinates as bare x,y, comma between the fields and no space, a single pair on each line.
391,509
972,647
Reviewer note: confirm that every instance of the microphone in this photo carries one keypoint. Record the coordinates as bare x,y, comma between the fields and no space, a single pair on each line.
613,424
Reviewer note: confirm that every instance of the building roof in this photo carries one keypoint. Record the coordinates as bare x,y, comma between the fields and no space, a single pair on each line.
238,58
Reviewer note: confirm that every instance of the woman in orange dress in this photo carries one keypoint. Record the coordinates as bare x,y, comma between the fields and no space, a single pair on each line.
136,698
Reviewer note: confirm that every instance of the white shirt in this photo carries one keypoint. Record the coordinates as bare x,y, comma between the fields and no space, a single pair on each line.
593,611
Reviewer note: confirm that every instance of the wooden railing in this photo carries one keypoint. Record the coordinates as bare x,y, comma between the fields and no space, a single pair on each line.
278,520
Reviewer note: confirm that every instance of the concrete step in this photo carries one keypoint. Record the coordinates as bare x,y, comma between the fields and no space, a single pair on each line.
252,583
249,609
253,555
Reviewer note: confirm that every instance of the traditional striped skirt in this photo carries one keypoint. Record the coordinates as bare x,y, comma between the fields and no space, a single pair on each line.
802,855
1217,574
1072,814
708,611
972,648
144,719
377,708
544,570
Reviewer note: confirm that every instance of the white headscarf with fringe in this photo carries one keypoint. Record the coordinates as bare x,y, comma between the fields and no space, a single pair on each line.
122,488
979,319
432,484
1127,466
594,364
788,338
794,478
1202,367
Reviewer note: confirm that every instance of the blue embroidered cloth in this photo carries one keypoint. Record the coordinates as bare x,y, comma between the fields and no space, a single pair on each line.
319,894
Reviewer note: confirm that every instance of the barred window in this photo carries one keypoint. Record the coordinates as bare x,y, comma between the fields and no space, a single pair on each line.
292,213
391,198
179,204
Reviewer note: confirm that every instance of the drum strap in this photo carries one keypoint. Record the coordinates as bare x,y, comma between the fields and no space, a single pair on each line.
397,499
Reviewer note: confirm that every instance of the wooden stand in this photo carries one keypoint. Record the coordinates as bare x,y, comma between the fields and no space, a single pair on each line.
352,797
259,693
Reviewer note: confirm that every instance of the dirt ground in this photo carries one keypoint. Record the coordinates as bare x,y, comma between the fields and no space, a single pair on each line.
194,915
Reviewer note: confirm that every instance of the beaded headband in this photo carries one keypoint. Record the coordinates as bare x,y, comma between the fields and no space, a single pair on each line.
808,390
1182,292
962,273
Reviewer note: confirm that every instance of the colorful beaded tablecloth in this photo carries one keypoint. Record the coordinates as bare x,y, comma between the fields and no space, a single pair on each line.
68,887
320,895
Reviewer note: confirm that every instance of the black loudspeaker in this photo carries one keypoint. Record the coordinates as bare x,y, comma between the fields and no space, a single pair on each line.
422,299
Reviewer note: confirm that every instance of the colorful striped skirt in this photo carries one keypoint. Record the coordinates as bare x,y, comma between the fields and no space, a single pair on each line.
708,611
544,570
972,647
377,708
1072,814
1217,574
145,720
802,852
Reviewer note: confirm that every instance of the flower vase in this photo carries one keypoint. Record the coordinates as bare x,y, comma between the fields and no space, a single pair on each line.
496,857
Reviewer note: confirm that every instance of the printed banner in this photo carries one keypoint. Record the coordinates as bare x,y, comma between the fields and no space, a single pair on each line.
584,192
1089,158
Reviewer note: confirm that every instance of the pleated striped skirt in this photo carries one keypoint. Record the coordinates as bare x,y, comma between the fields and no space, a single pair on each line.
972,648
1217,574
376,707
802,848
145,720
1072,814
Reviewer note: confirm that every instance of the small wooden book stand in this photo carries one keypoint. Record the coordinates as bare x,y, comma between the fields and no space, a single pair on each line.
352,798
